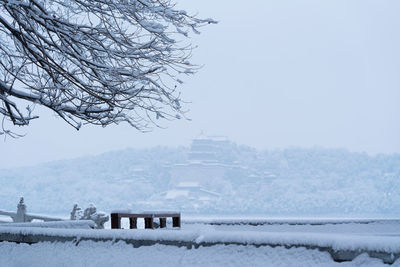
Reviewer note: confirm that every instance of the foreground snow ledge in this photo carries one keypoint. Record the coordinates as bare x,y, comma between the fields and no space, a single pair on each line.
341,247
389,244
106,254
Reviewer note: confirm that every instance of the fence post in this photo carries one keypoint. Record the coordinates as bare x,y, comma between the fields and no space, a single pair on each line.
176,221
115,221
163,222
132,223
148,223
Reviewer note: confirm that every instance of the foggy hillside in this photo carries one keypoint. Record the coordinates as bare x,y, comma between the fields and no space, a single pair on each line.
289,182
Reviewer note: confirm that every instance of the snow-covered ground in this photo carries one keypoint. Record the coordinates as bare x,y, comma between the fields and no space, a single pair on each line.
106,254
382,235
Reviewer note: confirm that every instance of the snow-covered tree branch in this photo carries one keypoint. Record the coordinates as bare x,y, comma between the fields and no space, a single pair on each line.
94,61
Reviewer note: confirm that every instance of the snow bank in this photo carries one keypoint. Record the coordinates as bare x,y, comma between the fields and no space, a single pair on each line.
352,242
105,254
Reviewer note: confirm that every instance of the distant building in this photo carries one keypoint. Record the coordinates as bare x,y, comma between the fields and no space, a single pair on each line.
204,164
206,149
202,177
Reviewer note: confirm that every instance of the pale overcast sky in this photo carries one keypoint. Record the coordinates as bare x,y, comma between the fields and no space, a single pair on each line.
276,74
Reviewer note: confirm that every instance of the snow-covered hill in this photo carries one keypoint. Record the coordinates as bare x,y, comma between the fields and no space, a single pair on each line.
239,180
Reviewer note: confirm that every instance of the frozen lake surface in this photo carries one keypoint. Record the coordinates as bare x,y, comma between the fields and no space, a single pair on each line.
379,227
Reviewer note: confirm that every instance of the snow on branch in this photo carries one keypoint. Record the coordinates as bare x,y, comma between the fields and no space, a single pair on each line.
94,61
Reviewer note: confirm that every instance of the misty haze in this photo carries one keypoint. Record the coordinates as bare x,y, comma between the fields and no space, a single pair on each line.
199,133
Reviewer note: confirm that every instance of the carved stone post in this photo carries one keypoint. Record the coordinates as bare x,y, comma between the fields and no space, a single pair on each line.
21,212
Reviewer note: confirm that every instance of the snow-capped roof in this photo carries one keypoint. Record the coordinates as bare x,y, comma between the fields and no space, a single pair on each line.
188,184
171,194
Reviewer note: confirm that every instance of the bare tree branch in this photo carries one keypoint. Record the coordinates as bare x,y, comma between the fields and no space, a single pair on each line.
94,61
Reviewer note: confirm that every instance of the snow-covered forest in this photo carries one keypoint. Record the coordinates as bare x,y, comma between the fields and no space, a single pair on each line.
287,182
